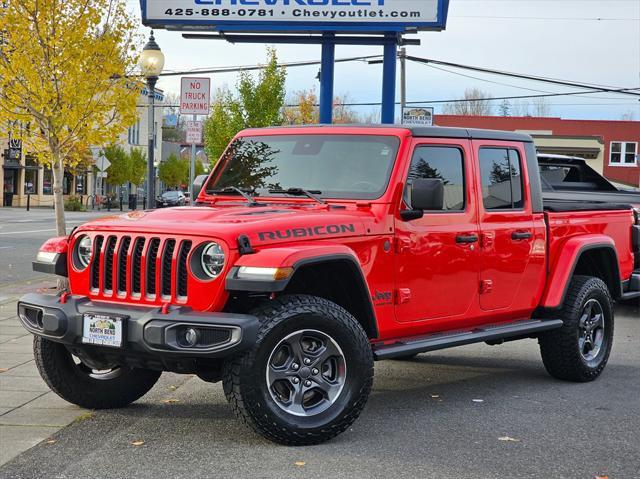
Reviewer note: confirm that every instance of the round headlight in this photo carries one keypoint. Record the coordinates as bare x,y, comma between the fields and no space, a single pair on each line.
212,259
84,250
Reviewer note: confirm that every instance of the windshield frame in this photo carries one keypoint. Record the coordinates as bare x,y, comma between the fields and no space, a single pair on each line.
263,194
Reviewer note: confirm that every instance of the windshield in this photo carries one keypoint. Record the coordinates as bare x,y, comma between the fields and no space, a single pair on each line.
333,166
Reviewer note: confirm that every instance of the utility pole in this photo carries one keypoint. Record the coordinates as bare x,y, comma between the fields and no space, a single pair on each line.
402,54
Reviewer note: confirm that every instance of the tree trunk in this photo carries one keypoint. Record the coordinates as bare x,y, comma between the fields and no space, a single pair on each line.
58,198
58,204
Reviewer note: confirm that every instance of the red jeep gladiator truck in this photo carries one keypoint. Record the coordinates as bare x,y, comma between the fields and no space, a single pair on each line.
311,252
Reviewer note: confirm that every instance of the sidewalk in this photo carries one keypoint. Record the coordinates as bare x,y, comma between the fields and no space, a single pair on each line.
29,411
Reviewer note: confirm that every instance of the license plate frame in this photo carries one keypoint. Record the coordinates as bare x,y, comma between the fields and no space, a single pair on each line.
100,329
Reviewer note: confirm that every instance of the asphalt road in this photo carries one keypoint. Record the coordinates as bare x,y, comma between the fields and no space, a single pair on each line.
439,416
21,234
442,415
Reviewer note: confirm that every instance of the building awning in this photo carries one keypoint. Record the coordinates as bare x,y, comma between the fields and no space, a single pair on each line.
582,152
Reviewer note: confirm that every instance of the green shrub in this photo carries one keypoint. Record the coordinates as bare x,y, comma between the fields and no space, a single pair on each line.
74,203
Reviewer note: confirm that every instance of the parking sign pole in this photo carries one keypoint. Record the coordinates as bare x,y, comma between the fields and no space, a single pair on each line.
192,169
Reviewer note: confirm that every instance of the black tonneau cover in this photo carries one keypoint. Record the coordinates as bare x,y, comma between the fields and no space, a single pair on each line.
560,206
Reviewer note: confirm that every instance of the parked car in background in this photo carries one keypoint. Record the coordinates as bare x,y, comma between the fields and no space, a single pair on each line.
171,198
187,196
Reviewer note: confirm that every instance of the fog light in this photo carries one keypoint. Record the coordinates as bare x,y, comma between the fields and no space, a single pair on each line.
191,337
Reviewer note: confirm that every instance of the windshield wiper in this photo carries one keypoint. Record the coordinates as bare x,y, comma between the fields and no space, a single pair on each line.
301,192
234,189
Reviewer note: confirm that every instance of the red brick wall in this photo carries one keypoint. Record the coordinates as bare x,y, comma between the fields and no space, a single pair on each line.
608,130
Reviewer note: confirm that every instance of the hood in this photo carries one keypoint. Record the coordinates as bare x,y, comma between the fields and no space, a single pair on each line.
263,225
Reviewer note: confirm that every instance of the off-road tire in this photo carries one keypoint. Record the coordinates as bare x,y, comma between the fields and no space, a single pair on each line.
245,384
560,348
67,380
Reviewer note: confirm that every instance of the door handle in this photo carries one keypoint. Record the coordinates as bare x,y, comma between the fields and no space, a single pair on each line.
466,239
520,235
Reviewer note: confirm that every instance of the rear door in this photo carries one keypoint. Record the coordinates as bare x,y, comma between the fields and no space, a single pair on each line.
506,226
437,256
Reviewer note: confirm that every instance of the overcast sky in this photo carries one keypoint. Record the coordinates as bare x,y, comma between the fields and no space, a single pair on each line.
553,38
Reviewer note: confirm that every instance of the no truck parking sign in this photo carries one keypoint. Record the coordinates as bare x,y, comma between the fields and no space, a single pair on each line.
194,96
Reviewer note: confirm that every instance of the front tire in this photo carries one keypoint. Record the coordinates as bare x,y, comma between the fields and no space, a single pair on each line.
77,383
579,350
308,376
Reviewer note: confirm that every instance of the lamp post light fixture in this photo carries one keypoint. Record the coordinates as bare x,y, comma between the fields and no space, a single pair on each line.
151,64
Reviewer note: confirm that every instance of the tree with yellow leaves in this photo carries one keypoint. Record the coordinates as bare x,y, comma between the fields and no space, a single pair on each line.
63,85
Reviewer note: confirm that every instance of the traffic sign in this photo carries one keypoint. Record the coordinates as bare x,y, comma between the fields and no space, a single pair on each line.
194,132
99,160
194,96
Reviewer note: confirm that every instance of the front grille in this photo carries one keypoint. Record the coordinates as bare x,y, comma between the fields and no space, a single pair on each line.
167,259
95,265
108,263
130,265
123,254
152,267
136,266
185,247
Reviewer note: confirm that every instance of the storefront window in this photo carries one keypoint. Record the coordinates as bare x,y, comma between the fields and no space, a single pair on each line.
47,181
67,183
81,184
31,181
31,174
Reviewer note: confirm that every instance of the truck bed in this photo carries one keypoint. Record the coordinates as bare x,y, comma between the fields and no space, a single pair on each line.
576,219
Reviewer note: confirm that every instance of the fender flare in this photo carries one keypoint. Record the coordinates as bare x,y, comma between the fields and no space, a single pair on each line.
287,257
298,257
565,266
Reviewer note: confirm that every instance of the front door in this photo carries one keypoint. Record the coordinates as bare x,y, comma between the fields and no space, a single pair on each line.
437,256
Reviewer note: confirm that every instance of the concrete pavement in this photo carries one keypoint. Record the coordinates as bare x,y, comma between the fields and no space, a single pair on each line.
29,411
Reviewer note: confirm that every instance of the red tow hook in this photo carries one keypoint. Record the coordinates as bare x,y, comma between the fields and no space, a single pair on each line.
165,308
63,297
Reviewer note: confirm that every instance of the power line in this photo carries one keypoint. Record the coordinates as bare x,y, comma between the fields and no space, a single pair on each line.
235,69
625,91
507,84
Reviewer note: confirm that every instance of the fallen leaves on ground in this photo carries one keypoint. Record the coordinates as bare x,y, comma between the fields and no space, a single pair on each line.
3,370
137,443
171,401
51,441
435,396
508,439
602,477
300,463
173,388
478,400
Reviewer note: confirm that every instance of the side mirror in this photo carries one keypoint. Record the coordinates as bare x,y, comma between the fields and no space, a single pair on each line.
198,183
426,194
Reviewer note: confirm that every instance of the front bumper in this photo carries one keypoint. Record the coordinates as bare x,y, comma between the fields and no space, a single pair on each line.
151,333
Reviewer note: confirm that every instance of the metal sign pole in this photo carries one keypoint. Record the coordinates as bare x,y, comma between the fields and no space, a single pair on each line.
192,168
326,78
387,114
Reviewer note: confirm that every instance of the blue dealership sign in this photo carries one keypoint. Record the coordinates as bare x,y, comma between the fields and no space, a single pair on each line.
341,16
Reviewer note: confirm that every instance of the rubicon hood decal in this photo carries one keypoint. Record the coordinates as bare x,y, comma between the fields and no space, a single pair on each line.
321,230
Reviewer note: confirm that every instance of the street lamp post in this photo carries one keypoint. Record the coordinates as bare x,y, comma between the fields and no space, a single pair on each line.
151,64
